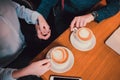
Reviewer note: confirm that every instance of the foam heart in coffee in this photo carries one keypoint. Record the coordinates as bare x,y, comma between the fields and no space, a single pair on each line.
59,55
84,34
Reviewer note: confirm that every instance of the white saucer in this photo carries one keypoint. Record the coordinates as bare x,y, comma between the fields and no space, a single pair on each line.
61,68
82,46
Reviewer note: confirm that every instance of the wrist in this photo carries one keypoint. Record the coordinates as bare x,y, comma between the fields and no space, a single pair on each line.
20,73
94,14
16,74
91,17
39,19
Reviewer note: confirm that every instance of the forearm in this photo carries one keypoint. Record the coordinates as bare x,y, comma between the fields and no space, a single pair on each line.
109,10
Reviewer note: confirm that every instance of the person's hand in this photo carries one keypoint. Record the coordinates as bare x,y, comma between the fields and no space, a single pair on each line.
81,21
42,28
36,68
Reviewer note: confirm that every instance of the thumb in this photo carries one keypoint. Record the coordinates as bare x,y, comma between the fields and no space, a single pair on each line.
47,65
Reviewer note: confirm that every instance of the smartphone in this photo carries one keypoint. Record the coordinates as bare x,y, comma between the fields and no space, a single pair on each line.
54,77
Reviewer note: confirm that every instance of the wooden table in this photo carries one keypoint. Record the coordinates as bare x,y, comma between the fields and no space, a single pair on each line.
100,63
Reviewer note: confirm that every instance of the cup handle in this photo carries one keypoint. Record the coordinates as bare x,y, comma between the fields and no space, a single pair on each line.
75,30
74,33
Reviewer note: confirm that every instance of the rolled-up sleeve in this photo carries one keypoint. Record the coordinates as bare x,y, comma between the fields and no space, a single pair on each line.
6,74
25,13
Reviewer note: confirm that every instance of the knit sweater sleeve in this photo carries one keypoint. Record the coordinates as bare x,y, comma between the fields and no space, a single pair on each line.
45,7
112,7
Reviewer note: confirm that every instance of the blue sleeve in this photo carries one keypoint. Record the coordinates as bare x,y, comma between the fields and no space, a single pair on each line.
6,74
45,7
112,7
25,13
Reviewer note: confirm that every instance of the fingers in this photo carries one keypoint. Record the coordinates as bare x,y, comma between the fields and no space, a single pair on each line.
44,37
47,65
81,21
84,23
47,36
77,23
72,25
45,29
45,68
44,33
40,67
44,61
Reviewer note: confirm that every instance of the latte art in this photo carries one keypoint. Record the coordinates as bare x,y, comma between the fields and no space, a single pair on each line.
84,34
59,55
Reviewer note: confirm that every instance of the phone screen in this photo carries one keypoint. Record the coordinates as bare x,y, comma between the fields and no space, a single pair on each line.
60,78
64,78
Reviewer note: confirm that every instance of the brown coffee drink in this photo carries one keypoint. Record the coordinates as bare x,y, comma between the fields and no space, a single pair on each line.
59,55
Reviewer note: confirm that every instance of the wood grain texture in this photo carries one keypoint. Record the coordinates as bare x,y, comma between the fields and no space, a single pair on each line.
100,63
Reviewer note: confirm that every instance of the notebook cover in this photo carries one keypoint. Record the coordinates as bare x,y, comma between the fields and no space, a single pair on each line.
114,41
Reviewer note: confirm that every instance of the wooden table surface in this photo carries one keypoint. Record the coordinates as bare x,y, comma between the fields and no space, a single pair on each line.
100,63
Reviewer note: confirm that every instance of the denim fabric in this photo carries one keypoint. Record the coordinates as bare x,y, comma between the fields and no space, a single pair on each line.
11,38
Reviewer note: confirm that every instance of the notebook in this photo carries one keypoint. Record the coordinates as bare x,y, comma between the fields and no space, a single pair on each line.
114,41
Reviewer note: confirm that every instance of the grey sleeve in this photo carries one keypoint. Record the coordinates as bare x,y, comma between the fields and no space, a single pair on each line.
6,74
25,13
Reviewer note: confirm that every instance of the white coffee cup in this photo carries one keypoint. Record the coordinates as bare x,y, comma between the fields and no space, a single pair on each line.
83,34
59,55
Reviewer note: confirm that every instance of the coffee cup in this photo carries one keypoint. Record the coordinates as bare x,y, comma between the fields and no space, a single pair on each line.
59,55
83,34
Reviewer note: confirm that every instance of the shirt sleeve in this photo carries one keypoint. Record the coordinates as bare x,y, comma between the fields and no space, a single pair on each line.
45,7
112,7
6,74
25,13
